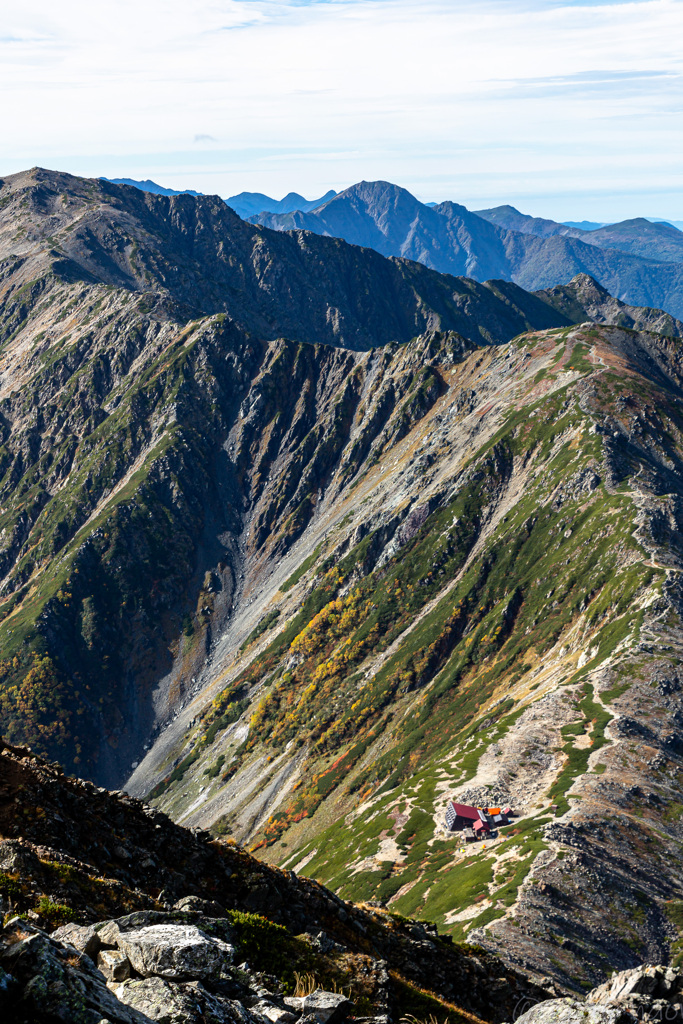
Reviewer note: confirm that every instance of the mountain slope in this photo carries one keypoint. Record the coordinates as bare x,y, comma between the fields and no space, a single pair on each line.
510,219
390,220
653,240
129,473
542,254
492,614
641,237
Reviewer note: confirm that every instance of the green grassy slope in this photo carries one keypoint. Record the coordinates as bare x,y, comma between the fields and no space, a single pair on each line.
398,681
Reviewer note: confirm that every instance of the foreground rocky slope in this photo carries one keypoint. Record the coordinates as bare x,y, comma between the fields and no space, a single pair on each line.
227,939
493,616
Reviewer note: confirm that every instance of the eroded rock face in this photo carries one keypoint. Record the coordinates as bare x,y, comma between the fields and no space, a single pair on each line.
647,992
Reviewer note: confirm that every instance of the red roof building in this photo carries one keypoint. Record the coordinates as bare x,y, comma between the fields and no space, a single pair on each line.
465,811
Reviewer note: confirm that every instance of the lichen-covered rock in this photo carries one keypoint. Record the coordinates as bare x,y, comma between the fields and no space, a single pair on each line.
55,984
174,951
169,1002
573,1011
160,1000
325,1007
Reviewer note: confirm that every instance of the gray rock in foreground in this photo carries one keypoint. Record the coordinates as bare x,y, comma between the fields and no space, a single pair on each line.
649,993
573,1011
151,966
174,951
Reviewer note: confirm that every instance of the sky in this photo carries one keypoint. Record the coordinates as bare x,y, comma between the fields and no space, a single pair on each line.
564,109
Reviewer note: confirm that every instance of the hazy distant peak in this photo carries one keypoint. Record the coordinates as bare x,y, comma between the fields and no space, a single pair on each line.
585,225
151,186
250,204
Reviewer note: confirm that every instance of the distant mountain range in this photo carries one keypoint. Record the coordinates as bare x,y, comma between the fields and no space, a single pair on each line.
151,186
249,204
246,204
638,261
657,240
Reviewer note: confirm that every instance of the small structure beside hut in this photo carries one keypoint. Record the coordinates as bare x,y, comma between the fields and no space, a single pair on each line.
475,822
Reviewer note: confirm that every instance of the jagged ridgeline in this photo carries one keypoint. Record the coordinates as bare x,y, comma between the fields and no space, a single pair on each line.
147,410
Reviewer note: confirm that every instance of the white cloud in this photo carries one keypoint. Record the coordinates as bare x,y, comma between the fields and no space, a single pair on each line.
481,102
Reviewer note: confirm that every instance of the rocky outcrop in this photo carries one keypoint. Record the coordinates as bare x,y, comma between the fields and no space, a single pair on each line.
642,994
583,298
174,978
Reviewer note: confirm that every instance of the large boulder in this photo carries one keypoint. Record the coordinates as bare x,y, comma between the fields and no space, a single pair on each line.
174,951
573,1011
325,1007
168,1002
160,1000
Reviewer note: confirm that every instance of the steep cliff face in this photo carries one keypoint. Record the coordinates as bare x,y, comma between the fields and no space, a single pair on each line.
491,614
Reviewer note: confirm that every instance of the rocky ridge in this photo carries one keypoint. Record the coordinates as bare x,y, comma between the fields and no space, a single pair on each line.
584,299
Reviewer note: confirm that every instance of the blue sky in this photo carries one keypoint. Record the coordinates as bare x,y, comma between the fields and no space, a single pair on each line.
563,108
